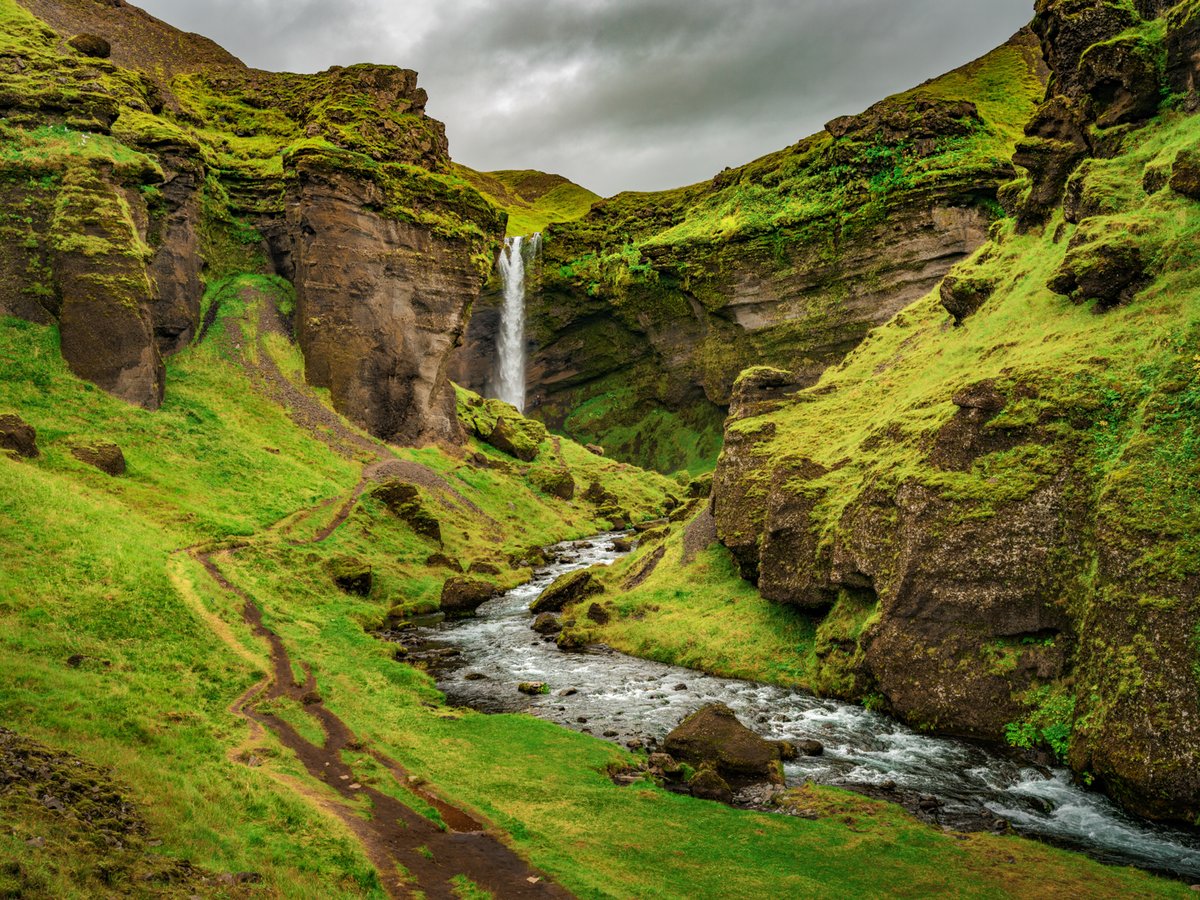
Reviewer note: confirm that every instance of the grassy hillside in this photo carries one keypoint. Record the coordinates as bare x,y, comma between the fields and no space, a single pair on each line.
533,200
118,648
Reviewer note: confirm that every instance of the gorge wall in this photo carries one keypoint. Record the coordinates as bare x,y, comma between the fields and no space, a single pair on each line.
141,165
991,507
651,304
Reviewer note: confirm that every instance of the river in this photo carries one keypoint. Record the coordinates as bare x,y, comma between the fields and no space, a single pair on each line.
626,699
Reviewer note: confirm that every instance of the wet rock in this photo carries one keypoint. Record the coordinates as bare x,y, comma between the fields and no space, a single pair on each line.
18,436
461,596
566,589
474,676
103,455
546,623
707,784
571,640
713,736
91,45
598,614
404,501
680,687
533,688
807,748
351,575
569,692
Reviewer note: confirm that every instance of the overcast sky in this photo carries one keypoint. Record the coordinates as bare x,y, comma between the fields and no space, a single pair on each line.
619,94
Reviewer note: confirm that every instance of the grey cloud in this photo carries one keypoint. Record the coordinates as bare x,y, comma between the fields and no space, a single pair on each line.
618,94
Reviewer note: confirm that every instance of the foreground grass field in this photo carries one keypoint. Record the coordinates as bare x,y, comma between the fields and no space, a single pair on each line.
119,649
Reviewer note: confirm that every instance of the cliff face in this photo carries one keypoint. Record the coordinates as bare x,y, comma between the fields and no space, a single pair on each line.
652,303
991,506
141,166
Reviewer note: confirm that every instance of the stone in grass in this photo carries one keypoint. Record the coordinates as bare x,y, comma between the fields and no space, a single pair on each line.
555,482
569,588
91,45
461,596
403,500
351,575
713,736
479,567
18,436
594,448
598,614
1185,174
533,688
442,561
104,455
571,640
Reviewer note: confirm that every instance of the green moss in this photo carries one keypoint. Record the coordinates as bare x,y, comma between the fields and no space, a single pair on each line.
532,200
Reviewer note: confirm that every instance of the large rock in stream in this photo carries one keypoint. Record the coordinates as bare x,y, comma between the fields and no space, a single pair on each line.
713,738
566,589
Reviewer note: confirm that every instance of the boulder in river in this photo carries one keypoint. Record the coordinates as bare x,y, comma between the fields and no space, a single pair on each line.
462,596
713,737
547,623
569,588
533,688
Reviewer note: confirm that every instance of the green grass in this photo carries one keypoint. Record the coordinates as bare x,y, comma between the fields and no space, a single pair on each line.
89,570
533,200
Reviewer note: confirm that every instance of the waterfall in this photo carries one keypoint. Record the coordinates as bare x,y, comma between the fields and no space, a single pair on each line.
510,345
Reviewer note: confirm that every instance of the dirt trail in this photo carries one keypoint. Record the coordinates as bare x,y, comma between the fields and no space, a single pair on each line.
413,854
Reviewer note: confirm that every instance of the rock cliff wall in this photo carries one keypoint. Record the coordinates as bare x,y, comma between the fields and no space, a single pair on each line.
651,304
990,508
142,165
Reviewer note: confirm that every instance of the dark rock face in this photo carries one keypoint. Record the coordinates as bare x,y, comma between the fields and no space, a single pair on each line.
1183,51
566,589
714,738
462,596
18,436
381,304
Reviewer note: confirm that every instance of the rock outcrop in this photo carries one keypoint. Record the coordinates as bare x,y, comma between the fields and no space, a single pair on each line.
648,308
169,165
982,520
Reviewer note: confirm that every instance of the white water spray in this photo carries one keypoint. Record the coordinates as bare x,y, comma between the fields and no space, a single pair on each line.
510,345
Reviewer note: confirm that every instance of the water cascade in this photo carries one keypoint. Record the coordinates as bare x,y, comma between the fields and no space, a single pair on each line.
510,345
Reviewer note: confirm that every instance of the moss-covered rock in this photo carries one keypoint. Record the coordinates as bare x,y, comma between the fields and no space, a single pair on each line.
18,436
713,737
351,575
405,501
557,482
104,455
565,590
461,596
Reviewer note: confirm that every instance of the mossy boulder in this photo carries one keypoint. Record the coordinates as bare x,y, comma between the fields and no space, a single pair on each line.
707,784
404,501
555,482
461,596
1185,174
91,45
104,455
700,487
598,494
546,623
566,589
961,295
351,575
1109,267
713,737
517,437
442,561
18,436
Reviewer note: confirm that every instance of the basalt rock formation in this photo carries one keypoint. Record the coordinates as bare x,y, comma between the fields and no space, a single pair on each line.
648,307
989,508
151,171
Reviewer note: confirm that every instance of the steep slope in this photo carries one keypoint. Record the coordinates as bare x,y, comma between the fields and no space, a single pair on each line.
652,303
990,508
141,162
